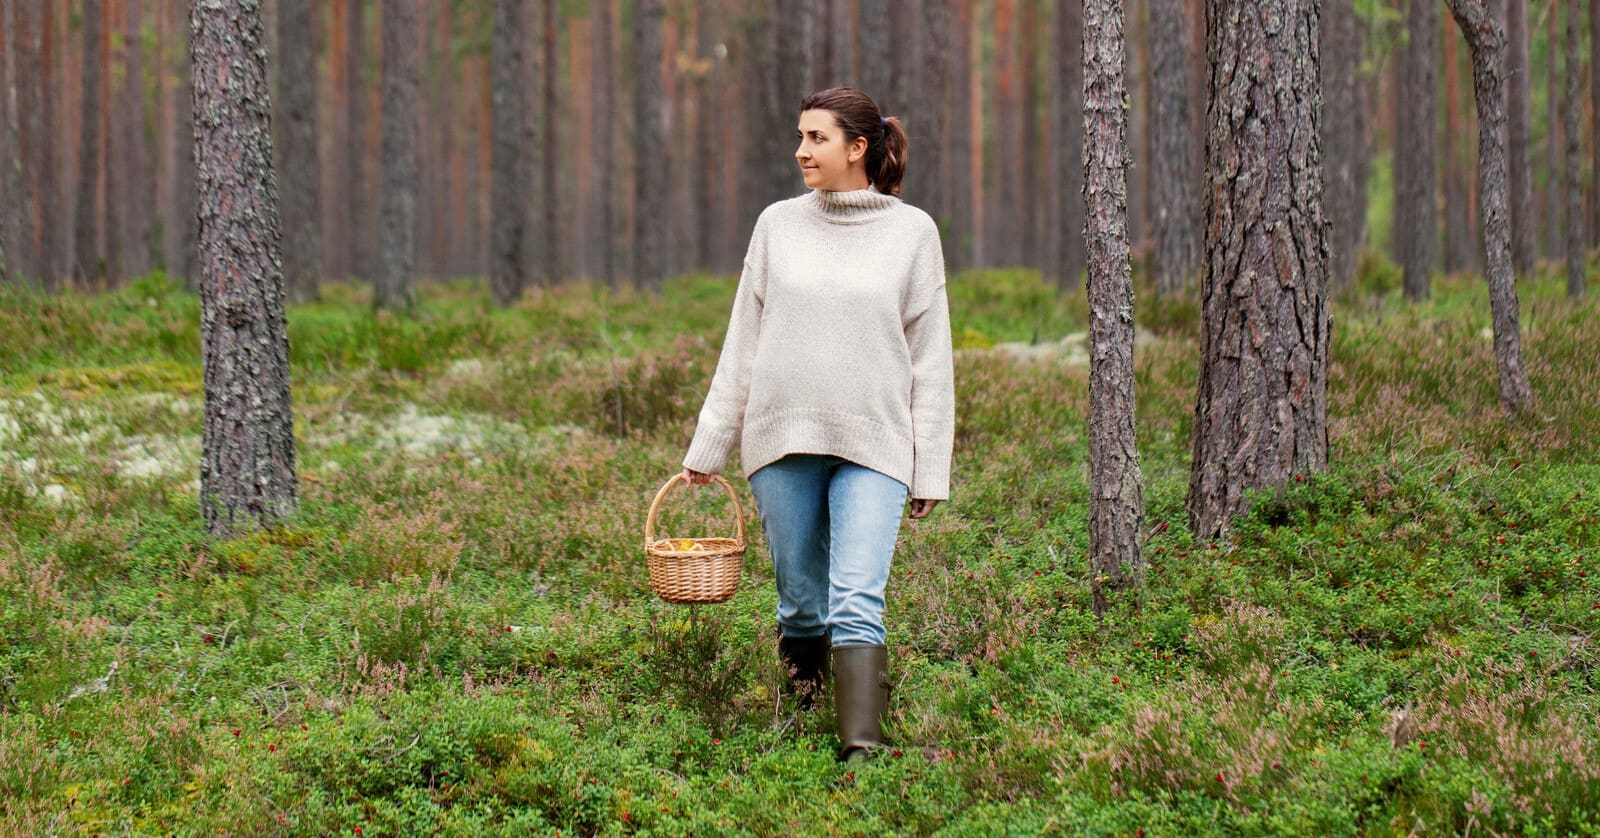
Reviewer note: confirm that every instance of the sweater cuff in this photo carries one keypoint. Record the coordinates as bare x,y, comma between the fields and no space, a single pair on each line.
930,478
708,453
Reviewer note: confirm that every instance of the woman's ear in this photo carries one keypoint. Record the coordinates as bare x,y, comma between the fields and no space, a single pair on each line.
858,149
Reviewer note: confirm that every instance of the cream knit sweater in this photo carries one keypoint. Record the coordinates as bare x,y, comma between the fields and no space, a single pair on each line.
839,344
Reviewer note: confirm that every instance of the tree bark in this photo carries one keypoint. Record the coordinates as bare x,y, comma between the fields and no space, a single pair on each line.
1177,175
1594,123
357,186
552,268
1487,42
1116,486
1028,200
650,218
1261,416
1520,125
12,208
1003,242
1554,127
297,137
247,464
88,260
1343,139
792,43
872,48
933,157
1415,209
1068,263
135,185
604,152
46,94
1458,248
959,244
509,186
1571,104
401,83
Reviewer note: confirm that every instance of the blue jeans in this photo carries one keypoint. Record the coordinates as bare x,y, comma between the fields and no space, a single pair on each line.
831,526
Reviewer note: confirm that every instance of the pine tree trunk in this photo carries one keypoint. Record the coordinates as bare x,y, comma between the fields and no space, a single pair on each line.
1028,199
650,218
792,42
552,269
401,83
1261,416
1069,264
247,463
1116,486
297,135
1551,229
135,167
959,242
1572,103
1520,125
1177,176
707,199
604,152
11,209
46,94
931,113
873,47
1487,42
186,261
357,197
508,213
1458,248
1003,242
1415,209
88,260
1343,139
1594,123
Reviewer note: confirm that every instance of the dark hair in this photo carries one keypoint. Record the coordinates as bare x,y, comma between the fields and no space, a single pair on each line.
857,115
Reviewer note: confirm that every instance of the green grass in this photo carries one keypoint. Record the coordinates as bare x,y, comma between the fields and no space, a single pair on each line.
457,633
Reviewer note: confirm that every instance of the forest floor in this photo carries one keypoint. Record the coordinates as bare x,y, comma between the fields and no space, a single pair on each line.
457,634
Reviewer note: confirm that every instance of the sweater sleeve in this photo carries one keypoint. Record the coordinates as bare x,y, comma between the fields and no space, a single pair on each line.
933,413
722,416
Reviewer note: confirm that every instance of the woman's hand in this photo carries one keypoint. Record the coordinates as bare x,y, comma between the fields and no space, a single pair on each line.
697,478
920,507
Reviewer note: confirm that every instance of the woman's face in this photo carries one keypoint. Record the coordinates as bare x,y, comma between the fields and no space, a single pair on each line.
825,158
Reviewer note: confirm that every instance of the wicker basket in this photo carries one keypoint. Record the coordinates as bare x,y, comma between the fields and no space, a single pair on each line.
707,572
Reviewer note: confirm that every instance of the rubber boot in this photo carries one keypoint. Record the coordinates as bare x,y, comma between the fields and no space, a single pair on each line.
805,659
860,697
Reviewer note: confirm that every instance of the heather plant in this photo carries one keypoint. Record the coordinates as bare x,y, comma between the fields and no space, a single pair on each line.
457,633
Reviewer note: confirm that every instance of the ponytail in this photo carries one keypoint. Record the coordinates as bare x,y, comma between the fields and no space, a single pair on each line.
857,115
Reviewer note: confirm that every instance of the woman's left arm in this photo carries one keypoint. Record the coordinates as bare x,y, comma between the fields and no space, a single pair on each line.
933,414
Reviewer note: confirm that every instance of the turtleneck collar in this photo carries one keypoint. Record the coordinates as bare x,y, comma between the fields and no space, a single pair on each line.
855,207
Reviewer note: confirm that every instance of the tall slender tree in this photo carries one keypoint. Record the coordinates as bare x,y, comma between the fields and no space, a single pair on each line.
1176,156
1571,105
1343,138
11,210
401,83
298,168
959,243
603,154
88,260
552,266
134,168
356,185
650,180
1516,74
1554,127
873,48
186,260
1068,262
247,460
1487,42
1116,485
46,95
930,175
1261,416
509,187
1415,209
1458,249
1594,123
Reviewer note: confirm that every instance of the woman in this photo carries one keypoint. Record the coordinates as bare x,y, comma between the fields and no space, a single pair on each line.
836,379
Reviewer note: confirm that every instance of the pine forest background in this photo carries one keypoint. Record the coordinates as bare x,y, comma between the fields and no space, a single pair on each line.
96,110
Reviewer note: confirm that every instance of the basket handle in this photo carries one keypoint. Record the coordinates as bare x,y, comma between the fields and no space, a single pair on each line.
655,506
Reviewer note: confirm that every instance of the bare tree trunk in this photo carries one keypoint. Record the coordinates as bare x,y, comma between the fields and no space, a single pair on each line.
46,94
11,209
358,188
1551,229
872,48
1415,209
1029,201
1116,485
792,47
1068,264
134,185
1572,103
1458,248
552,268
930,113
959,242
1003,242
1343,139
604,153
1487,42
1177,175
508,260
1261,416
401,81
1519,113
88,260
297,135
247,463
650,216
1594,122
186,261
